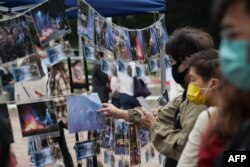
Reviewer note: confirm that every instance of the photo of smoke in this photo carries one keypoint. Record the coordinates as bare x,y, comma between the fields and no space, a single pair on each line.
154,65
47,155
137,45
85,21
121,137
161,34
86,149
4,115
103,34
58,52
150,153
15,40
50,20
83,115
135,146
26,73
37,118
151,46
122,48
89,52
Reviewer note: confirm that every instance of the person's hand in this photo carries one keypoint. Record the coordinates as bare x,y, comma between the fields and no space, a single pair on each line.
147,119
109,110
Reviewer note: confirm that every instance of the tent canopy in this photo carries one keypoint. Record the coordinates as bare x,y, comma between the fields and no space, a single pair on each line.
107,8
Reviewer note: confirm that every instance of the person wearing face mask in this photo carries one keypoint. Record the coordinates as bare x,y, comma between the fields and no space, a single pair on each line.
230,130
204,88
170,125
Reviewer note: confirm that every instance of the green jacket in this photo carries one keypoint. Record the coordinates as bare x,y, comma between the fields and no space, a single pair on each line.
166,139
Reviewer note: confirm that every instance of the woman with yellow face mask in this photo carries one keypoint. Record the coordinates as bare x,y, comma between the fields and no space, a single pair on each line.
204,88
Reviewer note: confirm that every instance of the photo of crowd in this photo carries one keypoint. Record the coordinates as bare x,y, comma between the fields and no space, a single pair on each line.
50,20
86,149
15,40
161,34
37,118
150,153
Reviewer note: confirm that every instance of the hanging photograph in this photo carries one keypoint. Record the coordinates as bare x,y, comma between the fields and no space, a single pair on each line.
78,77
106,135
4,114
137,47
107,66
123,163
86,149
15,40
154,65
122,67
47,156
83,115
151,46
89,52
167,61
150,153
85,21
37,118
26,73
103,34
161,34
50,21
121,137
122,48
135,147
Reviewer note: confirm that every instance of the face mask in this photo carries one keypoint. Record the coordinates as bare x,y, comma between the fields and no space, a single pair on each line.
178,76
195,95
234,62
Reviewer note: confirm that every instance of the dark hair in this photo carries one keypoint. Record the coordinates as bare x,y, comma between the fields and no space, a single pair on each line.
4,143
206,64
186,41
221,6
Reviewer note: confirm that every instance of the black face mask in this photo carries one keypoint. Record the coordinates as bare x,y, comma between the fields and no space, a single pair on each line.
178,76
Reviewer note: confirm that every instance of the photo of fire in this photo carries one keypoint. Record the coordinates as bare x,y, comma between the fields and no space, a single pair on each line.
37,118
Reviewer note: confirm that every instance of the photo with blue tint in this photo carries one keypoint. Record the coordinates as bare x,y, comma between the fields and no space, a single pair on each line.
26,73
161,34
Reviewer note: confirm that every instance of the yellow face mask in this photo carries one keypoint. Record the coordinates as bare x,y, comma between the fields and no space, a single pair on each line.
195,95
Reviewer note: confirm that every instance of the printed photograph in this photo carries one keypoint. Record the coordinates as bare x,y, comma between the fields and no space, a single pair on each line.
47,156
37,118
141,70
106,66
122,67
161,34
167,61
83,115
151,46
123,163
15,39
135,146
89,52
86,149
154,65
26,73
85,21
121,137
144,137
137,45
122,48
150,153
50,20
106,135
4,114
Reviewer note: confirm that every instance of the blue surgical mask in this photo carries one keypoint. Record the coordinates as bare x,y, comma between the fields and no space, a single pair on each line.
234,62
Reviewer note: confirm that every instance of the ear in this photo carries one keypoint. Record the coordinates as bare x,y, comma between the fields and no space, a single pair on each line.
215,84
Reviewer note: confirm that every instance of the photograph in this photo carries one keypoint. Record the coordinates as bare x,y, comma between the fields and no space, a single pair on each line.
141,70
161,34
151,45
137,45
59,52
167,61
83,115
150,153
4,114
26,73
50,21
135,146
106,66
122,48
123,163
89,52
15,39
47,156
85,21
86,149
106,135
37,118
121,137
154,65
122,67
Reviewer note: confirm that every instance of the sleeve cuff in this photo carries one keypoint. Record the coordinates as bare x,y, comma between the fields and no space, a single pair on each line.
134,116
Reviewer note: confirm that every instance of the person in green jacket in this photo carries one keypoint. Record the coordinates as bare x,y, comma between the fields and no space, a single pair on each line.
171,124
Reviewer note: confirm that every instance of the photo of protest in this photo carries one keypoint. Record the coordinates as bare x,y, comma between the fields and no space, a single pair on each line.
122,46
15,39
37,118
106,135
83,115
26,73
135,148
121,137
89,52
86,149
122,67
137,45
161,34
47,156
4,114
150,42
85,21
50,21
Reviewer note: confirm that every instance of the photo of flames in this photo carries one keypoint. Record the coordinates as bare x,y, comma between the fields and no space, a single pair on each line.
37,118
